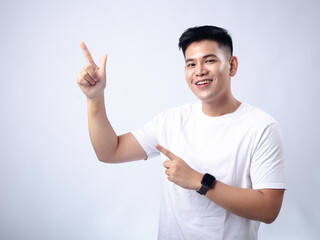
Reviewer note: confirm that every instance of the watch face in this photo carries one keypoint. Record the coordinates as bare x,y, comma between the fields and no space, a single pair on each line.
208,180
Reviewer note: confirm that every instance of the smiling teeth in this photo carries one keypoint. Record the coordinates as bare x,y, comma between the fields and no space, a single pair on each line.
203,82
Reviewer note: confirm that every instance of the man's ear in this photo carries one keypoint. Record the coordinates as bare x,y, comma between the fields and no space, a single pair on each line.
233,66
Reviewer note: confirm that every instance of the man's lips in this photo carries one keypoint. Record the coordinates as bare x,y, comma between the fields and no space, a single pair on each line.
203,82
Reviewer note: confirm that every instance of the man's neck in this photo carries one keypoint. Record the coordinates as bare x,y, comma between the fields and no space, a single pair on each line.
222,107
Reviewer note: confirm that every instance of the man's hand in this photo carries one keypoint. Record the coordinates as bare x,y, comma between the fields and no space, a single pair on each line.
92,79
179,172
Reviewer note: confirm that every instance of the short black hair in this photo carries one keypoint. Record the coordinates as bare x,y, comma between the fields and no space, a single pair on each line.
199,33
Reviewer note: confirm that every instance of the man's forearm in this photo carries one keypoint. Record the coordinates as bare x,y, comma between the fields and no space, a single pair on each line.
260,205
103,138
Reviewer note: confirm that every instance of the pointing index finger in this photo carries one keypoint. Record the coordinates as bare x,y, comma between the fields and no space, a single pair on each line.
86,53
165,151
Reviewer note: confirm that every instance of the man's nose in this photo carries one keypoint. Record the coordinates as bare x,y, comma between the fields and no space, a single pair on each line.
201,70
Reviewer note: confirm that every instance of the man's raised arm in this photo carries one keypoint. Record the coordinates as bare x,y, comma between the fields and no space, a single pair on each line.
108,146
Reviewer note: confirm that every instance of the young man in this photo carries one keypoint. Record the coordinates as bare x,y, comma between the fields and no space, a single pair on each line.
224,172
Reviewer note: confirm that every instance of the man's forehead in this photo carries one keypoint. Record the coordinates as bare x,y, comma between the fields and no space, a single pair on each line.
203,49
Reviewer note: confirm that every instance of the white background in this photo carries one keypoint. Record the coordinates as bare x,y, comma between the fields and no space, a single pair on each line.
51,184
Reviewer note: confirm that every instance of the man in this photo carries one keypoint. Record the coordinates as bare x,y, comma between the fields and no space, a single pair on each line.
224,172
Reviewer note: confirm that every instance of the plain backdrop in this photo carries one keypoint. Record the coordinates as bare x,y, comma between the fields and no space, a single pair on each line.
53,187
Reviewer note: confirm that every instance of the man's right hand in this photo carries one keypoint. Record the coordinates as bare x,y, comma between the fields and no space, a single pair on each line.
92,79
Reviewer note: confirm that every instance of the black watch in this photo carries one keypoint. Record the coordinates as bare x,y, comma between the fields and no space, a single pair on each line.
207,182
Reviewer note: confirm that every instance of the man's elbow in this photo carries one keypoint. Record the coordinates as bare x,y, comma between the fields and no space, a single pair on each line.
106,159
270,217
269,220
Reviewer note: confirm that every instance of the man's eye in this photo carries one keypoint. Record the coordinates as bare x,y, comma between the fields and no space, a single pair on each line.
191,65
210,61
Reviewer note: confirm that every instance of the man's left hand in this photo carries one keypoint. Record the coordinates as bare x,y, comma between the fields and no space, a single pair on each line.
179,172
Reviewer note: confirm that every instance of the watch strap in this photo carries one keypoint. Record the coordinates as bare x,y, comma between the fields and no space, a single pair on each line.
203,190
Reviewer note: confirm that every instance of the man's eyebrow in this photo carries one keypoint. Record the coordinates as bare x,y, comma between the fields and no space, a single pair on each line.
210,55
205,56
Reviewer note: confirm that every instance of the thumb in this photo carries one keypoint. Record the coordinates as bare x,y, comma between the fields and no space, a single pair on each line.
103,62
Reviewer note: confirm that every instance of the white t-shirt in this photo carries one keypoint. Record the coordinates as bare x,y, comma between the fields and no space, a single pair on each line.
243,149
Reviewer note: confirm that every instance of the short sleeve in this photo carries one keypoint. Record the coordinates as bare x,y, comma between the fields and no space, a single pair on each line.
147,136
267,164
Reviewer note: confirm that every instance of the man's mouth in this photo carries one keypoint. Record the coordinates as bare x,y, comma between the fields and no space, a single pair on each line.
203,82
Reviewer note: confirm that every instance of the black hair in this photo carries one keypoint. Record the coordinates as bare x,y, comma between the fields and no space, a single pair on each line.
197,34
